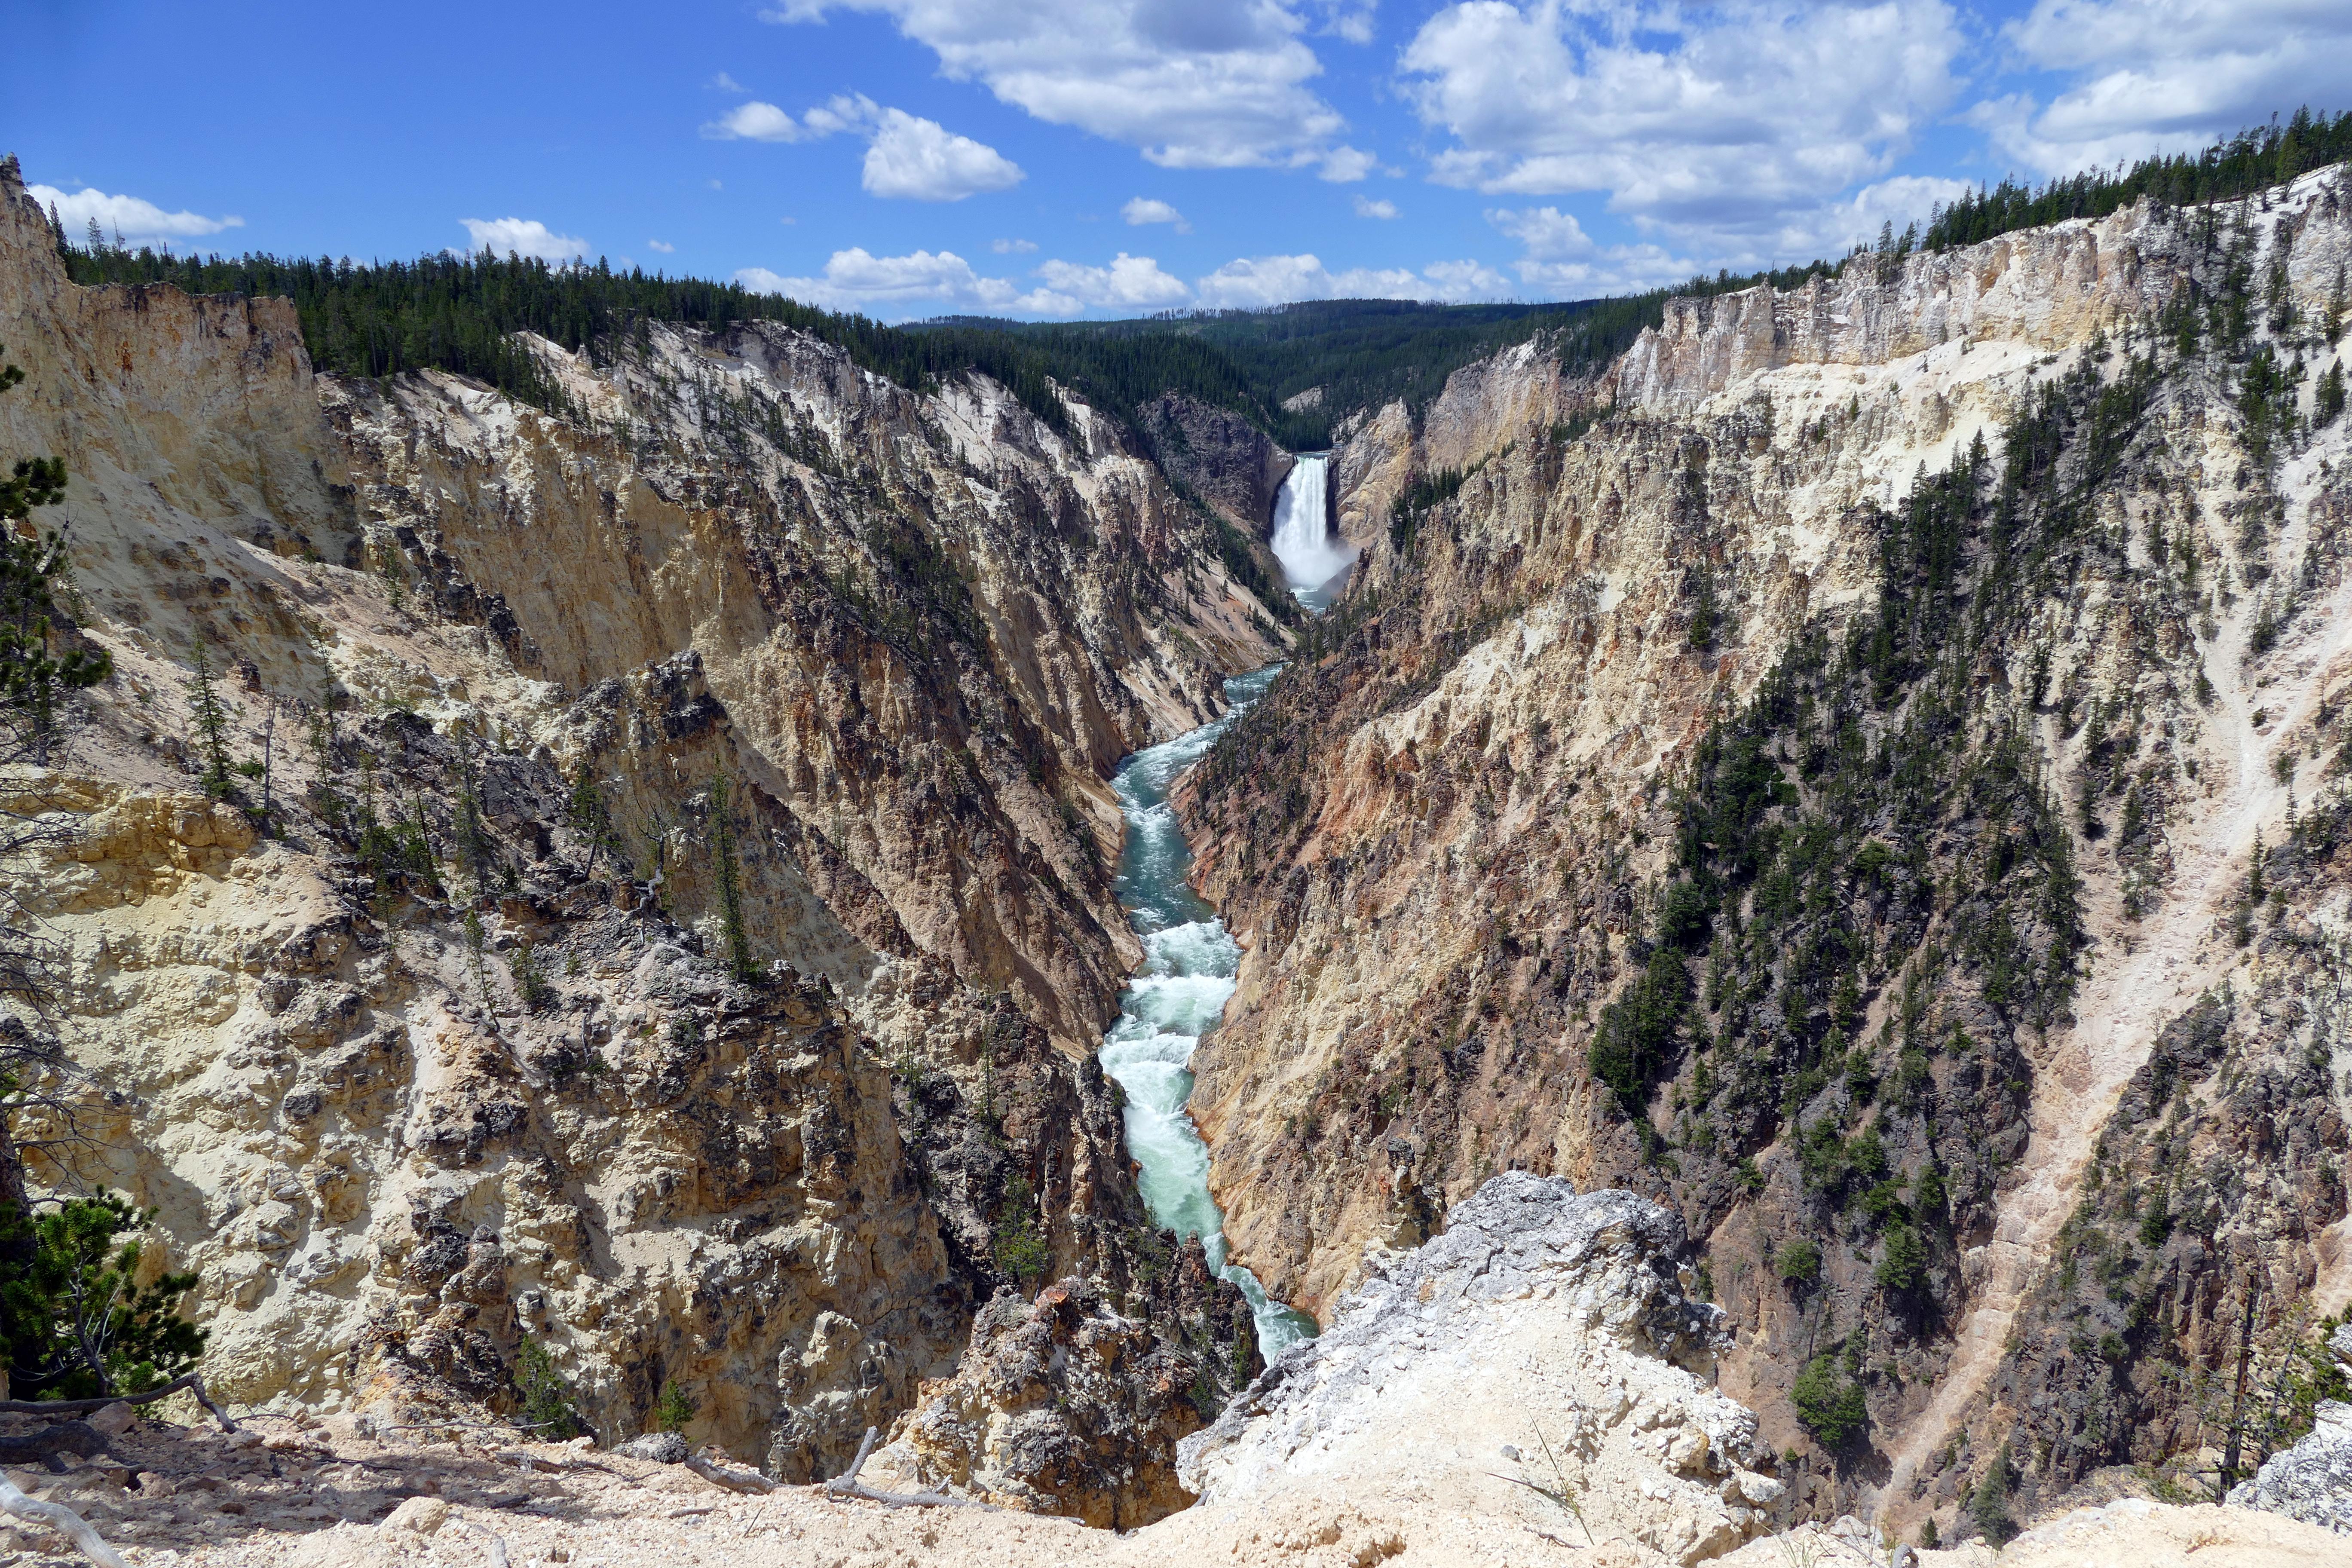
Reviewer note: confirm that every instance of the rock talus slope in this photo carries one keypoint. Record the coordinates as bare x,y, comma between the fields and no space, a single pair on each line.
1542,1342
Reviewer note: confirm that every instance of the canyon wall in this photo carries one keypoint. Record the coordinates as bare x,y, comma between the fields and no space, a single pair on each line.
426,1027
1227,461
1865,770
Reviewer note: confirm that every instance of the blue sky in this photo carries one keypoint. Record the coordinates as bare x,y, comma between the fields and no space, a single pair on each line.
1055,158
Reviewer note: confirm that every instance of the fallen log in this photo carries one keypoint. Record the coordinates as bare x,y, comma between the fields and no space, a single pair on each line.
727,1475
62,1519
848,1484
192,1382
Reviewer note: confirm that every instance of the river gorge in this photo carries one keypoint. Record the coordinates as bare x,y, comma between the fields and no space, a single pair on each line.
1191,960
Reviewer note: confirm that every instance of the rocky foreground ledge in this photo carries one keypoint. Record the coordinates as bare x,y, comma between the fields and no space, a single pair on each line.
1543,1343
2312,1480
1529,1388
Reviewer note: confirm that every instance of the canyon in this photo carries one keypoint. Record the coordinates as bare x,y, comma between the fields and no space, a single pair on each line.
429,1041
1863,768
1770,912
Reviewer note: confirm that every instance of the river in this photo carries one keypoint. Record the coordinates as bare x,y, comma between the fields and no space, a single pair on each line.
1190,959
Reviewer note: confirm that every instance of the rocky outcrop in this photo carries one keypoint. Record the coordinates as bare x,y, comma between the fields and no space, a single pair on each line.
1809,797
389,1159
2311,1480
2048,289
436,1033
1220,456
1074,1404
1485,407
1542,1342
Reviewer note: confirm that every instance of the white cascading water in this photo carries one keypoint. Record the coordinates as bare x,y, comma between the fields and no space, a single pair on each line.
1314,559
1190,961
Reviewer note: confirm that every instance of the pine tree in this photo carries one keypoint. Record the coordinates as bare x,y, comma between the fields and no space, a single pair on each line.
590,817
475,942
324,757
1989,1504
211,719
33,572
471,838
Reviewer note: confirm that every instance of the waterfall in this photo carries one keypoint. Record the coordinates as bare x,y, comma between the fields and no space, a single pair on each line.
1314,559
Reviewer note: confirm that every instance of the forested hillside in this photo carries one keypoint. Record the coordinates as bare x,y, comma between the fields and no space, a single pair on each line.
2236,166
459,313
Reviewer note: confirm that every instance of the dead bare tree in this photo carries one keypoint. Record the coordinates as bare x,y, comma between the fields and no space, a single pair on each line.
847,1485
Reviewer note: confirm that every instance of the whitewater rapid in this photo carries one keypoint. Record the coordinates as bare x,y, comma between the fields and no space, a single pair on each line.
1175,998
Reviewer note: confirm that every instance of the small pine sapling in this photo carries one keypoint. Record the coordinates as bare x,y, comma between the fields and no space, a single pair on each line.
210,716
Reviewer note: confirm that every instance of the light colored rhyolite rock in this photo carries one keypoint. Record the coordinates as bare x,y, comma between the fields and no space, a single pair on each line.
2312,1480
915,631
2048,289
1542,1320
1488,763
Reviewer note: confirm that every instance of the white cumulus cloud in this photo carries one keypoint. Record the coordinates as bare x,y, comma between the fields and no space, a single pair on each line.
138,222
1253,282
1013,247
1130,282
756,121
1144,209
906,155
895,286
2148,76
1193,83
658,245
1713,124
1367,207
523,236
1558,260
923,161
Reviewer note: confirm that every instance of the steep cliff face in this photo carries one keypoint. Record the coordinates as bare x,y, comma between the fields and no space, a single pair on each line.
1802,776
437,1032
1230,463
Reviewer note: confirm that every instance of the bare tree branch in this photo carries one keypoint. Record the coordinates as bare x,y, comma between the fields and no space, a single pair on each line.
847,1485
62,1519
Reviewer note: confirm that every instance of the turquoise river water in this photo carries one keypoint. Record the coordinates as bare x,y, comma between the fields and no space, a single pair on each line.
1177,997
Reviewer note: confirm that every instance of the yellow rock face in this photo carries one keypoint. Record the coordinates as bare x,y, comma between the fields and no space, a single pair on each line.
913,633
